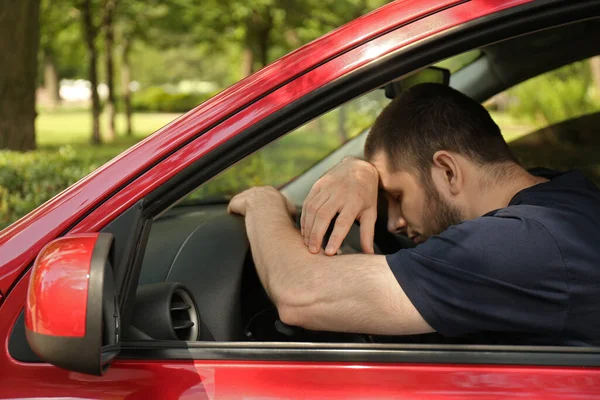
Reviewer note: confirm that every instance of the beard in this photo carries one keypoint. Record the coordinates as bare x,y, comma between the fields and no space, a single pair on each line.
439,215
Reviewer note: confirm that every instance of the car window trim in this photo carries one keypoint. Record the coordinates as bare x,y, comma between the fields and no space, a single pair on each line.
364,353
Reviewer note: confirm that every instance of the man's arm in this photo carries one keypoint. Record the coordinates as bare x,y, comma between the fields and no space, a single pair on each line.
353,293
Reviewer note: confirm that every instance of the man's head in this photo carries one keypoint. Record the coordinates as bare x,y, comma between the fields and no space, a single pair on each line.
435,150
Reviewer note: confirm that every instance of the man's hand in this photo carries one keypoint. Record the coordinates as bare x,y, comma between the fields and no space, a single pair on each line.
350,189
265,197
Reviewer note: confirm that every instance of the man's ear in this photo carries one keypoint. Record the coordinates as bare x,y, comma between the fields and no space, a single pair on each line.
448,171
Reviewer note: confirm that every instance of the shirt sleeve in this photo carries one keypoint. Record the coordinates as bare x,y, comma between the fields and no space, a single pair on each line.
501,274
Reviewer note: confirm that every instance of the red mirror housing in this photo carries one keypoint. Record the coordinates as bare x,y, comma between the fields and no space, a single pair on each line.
71,314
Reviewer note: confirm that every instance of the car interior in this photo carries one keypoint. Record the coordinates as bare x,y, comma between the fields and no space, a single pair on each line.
198,282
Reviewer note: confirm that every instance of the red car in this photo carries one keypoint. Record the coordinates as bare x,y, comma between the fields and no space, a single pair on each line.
125,286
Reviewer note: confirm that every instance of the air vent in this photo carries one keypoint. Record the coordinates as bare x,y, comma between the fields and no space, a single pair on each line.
183,316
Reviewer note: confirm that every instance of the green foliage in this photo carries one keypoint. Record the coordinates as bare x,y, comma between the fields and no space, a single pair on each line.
185,39
61,38
275,165
288,157
30,179
156,99
555,96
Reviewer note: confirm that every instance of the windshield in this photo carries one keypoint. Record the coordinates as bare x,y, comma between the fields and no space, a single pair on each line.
291,155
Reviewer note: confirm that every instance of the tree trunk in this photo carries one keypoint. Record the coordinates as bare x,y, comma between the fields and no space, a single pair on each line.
263,23
257,41
125,81
90,40
51,81
19,41
263,47
109,39
248,61
595,67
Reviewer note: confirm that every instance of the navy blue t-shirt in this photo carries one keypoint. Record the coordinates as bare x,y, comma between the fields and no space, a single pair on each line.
525,274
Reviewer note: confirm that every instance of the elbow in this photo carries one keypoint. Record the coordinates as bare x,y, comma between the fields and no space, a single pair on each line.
295,308
291,316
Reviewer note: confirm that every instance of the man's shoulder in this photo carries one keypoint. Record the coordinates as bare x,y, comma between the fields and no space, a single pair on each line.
518,221
494,242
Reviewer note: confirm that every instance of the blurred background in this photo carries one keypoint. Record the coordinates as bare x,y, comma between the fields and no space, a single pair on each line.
82,80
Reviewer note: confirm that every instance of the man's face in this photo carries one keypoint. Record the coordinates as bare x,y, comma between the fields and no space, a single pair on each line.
415,206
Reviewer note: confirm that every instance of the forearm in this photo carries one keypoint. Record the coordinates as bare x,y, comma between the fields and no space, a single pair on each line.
353,293
283,263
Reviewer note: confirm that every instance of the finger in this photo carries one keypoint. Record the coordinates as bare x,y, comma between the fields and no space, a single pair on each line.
367,230
231,208
311,212
321,222
343,223
311,195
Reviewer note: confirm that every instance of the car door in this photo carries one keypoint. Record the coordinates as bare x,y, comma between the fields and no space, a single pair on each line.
274,370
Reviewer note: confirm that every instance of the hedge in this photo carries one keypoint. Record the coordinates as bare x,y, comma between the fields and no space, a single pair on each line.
29,179
156,99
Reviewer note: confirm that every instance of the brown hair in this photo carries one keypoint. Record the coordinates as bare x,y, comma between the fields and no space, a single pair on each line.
430,117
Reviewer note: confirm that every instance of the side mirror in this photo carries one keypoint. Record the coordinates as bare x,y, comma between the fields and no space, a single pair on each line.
72,313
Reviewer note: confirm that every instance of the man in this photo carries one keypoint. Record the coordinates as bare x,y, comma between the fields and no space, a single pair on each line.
502,256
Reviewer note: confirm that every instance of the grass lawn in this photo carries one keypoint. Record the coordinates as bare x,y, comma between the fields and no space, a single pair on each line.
73,127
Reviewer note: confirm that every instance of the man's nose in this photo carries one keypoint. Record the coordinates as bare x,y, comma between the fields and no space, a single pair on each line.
396,224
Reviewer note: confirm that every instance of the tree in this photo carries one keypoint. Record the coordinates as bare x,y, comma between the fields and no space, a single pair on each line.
55,18
19,41
109,7
90,30
126,83
136,20
262,25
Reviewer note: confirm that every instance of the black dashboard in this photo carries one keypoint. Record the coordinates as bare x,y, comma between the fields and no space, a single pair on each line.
206,249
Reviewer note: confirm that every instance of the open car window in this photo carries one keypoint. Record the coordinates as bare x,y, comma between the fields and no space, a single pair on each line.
293,154
207,250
